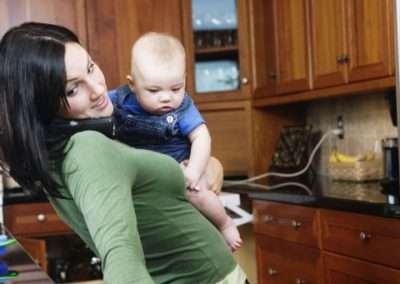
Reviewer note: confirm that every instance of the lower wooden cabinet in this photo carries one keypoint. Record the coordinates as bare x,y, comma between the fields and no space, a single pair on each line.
29,223
288,222
370,238
36,249
287,262
34,219
345,270
346,248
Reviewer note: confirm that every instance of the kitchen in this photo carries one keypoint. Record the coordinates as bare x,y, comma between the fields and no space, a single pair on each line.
297,62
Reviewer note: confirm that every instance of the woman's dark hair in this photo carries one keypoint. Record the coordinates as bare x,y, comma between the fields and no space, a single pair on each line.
32,91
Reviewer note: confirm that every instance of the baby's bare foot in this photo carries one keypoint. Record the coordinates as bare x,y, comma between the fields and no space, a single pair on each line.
232,236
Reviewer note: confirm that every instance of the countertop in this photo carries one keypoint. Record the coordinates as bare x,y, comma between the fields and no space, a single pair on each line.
323,192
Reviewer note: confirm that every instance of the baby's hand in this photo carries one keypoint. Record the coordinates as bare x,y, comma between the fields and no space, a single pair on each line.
192,178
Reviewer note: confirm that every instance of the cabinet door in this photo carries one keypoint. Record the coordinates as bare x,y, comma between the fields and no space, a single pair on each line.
69,13
36,249
345,270
229,125
368,39
218,57
366,237
113,26
328,42
282,262
291,46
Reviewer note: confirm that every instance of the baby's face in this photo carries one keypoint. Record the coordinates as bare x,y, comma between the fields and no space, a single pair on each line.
160,90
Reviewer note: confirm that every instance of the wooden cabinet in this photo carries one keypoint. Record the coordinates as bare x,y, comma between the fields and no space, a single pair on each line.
328,42
226,123
350,41
69,13
282,262
113,26
37,250
361,236
368,39
34,219
286,243
29,222
341,247
290,70
292,223
315,44
210,46
346,270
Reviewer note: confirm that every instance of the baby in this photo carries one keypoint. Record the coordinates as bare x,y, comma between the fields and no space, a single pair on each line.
153,112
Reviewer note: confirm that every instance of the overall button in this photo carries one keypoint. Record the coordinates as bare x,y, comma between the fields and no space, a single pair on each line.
170,118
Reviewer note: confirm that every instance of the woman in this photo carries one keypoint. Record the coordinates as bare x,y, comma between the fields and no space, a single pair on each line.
128,205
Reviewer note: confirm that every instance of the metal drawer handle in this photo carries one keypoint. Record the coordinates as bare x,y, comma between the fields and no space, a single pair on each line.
268,219
300,281
296,225
272,272
41,218
365,236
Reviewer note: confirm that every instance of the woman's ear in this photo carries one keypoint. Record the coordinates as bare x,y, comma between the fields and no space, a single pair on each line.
131,83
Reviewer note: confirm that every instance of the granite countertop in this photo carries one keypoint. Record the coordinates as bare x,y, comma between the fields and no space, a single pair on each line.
322,192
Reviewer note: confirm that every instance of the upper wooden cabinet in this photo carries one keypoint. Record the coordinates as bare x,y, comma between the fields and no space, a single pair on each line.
69,13
328,42
290,70
113,26
368,39
350,40
322,43
217,41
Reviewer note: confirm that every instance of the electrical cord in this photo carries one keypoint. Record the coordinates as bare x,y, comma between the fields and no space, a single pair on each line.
249,181
279,185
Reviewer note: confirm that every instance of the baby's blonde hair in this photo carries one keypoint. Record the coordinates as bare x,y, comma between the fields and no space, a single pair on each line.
163,49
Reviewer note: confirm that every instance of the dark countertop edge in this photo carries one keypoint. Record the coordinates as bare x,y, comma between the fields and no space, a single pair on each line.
347,205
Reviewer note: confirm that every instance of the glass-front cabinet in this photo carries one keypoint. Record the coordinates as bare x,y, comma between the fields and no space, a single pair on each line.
216,39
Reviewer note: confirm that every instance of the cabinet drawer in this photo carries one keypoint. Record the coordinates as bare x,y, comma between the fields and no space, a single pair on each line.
289,222
341,269
286,262
367,237
35,219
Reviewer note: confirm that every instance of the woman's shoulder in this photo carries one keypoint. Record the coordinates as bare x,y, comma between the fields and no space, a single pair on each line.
88,138
87,143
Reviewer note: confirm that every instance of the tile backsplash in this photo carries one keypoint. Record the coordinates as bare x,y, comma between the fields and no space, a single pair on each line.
366,122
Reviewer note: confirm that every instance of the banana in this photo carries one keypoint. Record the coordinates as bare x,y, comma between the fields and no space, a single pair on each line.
337,157
346,158
332,157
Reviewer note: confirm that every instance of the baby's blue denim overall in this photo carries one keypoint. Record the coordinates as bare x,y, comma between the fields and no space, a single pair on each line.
159,133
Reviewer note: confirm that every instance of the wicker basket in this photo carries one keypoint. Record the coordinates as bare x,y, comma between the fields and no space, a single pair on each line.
356,171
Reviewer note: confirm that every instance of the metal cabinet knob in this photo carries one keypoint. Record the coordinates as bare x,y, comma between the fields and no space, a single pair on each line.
300,281
296,225
41,218
245,81
272,272
268,219
273,75
365,236
342,59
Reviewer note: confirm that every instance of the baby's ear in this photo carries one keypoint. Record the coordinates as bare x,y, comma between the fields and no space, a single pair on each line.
131,83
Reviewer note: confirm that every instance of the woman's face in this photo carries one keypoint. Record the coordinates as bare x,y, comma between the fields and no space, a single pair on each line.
86,88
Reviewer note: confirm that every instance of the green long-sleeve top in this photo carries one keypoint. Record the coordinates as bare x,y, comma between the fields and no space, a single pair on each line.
128,205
